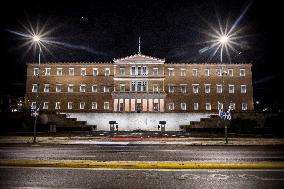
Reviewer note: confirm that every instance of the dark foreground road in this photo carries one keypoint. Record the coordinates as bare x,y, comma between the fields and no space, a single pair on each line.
116,178
70,177
214,154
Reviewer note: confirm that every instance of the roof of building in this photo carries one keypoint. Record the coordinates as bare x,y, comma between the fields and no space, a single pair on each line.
139,57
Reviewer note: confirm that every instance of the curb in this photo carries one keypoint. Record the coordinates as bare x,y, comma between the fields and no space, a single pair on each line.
139,165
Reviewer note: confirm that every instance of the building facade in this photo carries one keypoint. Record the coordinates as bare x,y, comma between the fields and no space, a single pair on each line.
139,83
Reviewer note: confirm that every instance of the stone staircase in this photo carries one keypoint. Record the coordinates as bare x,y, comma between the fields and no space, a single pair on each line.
211,122
62,122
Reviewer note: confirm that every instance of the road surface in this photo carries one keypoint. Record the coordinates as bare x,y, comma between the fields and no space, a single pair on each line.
26,177
214,154
62,177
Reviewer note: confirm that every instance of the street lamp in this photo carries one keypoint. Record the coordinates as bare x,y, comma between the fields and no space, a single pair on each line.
37,40
224,40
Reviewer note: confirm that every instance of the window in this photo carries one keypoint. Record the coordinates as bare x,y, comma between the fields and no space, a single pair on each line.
58,88
82,88
139,86
144,70
171,106
133,70
206,72
33,105
230,72
59,71
232,106
107,72
219,88
155,88
195,106
70,88
95,72
36,71
122,87
71,71
208,106
144,86
82,105
219,72
182,72
244,106
220,106
47,71
106,105
155,71
171,89
242,72
183,106
46,88
121,106
122,71
94,88
133,86
70,105
243,88
207,88
195,88
194,72
83,72
171,71
57,105
139,70
94,105
35,88
183,88
106,89
231,88
156,106
45,105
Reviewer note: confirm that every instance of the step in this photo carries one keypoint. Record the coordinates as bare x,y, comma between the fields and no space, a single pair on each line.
71,119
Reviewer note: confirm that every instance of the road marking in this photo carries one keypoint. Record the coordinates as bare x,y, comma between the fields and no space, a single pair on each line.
189,176
86,156
158,170
140,165
219,176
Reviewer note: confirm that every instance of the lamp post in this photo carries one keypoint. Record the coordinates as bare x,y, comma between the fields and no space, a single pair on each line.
223,40
36,40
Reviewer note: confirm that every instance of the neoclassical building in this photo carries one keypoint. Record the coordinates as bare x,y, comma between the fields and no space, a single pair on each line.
139,83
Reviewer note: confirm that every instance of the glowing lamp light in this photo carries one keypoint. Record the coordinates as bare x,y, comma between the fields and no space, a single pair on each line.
224,39
36,38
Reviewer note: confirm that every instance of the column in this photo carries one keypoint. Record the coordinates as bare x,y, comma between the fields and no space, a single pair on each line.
126,105
115,103
150,105
162,105
132,105
144,105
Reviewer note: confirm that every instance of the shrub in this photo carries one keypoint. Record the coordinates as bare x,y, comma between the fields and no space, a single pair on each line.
242,125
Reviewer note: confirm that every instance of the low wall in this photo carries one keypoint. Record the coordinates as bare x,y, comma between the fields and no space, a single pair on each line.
138,121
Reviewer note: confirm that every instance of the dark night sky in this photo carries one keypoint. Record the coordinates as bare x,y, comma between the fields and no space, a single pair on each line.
168,29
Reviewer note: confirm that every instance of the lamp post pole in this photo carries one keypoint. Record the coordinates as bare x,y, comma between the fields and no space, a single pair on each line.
223,40
37,40
224,103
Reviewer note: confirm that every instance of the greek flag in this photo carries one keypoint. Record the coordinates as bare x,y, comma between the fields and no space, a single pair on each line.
220,113
228,115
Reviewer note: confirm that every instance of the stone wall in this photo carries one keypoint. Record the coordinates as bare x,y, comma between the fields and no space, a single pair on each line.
138,121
